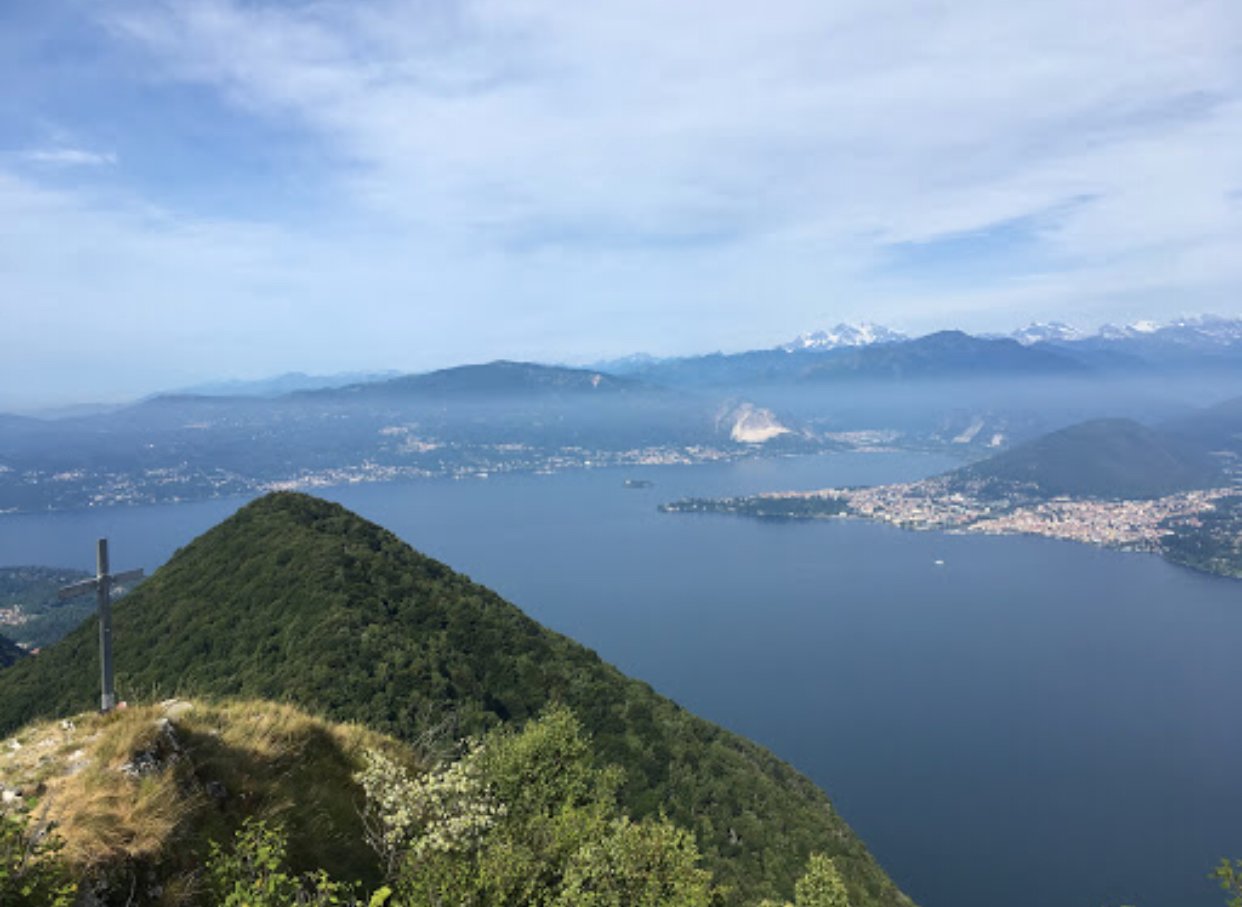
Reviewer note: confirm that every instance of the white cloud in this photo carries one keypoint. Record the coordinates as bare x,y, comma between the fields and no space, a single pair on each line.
69,157
566,177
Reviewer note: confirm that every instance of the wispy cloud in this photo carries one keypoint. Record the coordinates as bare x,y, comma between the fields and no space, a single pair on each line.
69,157
887,122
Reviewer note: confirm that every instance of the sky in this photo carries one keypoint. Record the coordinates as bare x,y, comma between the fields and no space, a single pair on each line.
235,188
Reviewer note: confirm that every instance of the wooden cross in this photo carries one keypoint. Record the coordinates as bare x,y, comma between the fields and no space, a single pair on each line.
101,583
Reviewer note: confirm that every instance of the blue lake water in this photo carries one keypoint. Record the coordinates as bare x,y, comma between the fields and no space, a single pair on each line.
1034,722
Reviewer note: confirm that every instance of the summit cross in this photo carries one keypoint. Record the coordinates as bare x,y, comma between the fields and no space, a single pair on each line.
101,583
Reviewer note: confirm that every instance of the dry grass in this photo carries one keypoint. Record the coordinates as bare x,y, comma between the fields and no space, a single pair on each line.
149,786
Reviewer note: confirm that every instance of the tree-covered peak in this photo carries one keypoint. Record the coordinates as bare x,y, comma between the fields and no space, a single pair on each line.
297,599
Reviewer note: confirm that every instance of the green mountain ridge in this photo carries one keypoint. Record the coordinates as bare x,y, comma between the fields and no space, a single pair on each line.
1101,458
297,599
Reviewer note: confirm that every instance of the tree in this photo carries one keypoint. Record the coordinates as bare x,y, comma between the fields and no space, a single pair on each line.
1230,877
820,886
253,873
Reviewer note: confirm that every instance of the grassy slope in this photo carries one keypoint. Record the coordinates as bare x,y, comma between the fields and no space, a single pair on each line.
295,598
205,769
1104,458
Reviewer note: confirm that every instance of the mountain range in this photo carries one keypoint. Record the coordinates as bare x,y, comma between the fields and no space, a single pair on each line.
947,390
867,351
1199,331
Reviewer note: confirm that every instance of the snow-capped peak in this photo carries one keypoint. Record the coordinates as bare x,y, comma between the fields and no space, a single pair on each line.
1047,331
1196,329
864,333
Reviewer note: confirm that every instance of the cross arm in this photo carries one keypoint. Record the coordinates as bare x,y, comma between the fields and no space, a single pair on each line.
79,588
127,576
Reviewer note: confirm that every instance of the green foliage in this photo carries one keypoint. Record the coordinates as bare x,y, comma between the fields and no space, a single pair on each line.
253,873
820,886
296,598
1230,877
636,864
32,874
526,818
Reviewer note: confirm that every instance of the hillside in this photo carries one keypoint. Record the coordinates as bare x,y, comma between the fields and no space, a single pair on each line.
298,599
32,612
1102,458
10,652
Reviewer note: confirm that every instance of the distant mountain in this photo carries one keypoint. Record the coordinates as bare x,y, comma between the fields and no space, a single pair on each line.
1216,428
297,599
10,652
277,385
844,335
1196,331
946,354
867,350
472,420
625,365
1201,330
500,378
1206,343
1128,331
1102,458
1047,332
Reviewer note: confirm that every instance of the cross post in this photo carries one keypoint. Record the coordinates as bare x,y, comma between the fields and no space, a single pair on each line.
101,584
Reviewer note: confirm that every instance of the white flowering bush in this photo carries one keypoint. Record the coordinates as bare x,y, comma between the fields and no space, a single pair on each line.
525,818
443,810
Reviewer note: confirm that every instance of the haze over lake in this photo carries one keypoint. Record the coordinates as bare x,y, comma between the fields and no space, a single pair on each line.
1030,722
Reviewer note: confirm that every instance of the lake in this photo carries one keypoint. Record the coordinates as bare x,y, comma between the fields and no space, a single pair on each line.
1031,723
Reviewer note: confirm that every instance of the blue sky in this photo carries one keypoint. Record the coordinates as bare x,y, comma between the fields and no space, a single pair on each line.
210,188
